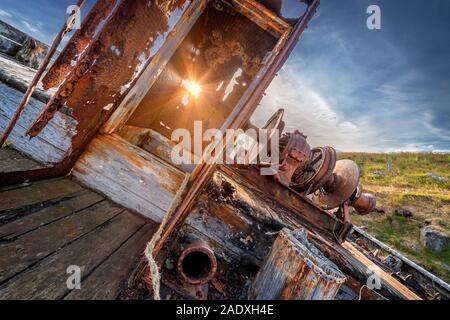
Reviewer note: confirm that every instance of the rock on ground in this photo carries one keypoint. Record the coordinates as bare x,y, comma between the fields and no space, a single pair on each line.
403,212
433,239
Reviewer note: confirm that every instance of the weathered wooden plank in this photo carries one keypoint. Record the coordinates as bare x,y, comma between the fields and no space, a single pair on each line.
47,215
62,121
20,164
225,241
385,278
408,266
128,175
47,280
262,16
36,193
134,135
27,184
296,270
162,147
19,76
9,153
104,282
50,146
353,262
12,160
28,249
238,223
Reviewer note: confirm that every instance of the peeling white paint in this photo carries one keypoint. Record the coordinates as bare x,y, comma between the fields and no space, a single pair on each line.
108,106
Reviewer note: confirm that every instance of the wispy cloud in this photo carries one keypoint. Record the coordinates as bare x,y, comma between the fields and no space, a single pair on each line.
4,13
309,112
29,27
358,91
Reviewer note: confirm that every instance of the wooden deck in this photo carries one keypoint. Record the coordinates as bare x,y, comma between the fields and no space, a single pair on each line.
12,161
47,226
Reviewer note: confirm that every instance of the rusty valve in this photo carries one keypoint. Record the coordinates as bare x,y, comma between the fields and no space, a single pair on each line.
197,263
364,203
343,188
341,185
317,172
332,183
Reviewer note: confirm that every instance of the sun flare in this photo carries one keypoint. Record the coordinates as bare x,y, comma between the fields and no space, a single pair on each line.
193,88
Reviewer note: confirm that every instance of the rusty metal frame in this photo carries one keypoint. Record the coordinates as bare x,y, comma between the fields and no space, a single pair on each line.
253,10
238,117
153,70
79,42
68,82
67,26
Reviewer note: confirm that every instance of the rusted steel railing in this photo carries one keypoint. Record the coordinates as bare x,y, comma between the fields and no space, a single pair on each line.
78,43
68,25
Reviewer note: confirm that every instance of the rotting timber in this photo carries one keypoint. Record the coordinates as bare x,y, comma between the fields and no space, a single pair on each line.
122,91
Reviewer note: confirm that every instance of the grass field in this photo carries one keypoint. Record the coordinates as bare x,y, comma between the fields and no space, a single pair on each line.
418,182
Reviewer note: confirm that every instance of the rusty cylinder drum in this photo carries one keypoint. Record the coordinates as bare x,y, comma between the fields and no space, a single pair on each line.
295,269
365,203
197,263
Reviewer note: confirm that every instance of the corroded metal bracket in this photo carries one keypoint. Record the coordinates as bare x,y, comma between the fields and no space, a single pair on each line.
77,44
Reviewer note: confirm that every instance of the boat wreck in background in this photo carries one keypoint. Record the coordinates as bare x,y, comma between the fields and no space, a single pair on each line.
20,46
228,231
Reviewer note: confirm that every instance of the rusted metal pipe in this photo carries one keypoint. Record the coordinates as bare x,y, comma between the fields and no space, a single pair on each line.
197,263
78,43
32,86
364,203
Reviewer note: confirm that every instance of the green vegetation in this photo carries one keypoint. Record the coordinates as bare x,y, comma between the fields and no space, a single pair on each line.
418,182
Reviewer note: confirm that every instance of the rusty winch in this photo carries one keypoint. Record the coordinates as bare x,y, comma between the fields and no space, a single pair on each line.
316,172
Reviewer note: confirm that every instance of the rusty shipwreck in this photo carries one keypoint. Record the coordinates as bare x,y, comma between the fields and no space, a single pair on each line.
96,179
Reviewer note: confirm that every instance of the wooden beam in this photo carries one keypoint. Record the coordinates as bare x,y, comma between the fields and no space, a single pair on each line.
438,284
353,262
262,16
128,175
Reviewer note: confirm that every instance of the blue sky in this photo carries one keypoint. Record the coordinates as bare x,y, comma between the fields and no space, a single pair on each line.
344,85
40,18
370,90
